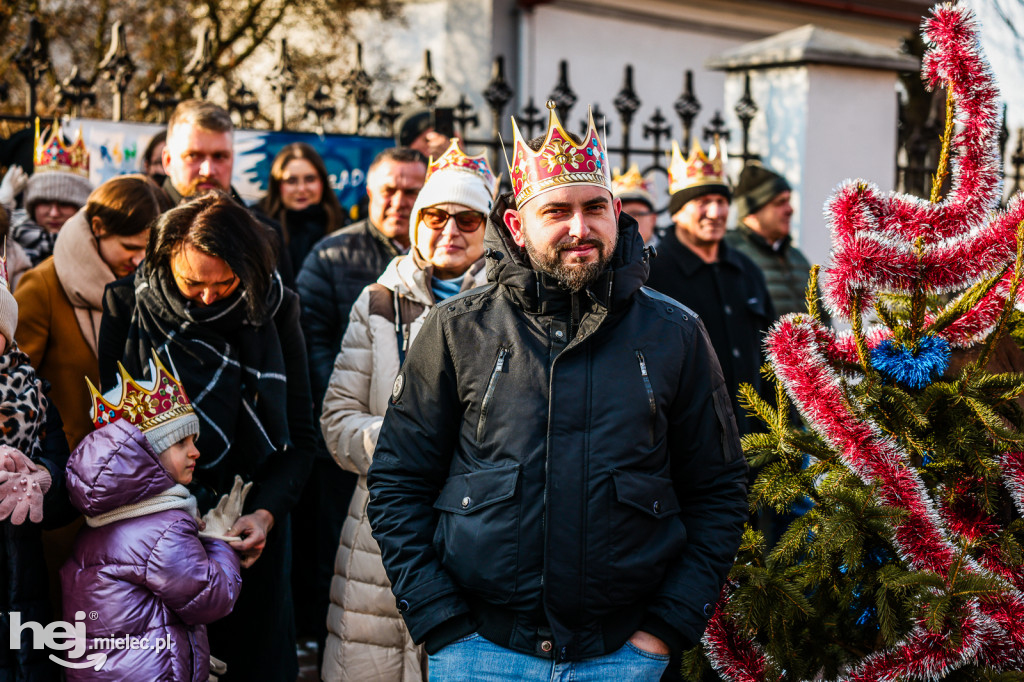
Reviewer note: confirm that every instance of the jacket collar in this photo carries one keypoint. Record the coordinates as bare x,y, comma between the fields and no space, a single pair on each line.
536,292
762,243
688,261
389,246
410,275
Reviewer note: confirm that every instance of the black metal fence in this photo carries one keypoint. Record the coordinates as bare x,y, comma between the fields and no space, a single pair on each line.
356,111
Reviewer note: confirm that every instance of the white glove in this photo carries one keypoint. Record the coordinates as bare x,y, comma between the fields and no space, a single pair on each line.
228,510
11,186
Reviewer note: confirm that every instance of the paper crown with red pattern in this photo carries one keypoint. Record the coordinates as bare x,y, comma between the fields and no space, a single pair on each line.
51,154
559,163
454,159
698,170
158,407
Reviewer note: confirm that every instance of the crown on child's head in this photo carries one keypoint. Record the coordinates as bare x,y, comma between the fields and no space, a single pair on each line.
51,154
158,407
559,162
454,159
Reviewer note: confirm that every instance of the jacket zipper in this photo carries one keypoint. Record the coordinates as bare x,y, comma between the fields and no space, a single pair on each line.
652,404
499,367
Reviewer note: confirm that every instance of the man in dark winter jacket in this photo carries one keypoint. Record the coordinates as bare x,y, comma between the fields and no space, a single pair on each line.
763,212
695,266
558,486
333,275
199,157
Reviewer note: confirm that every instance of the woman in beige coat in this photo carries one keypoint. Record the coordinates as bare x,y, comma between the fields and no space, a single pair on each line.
367,639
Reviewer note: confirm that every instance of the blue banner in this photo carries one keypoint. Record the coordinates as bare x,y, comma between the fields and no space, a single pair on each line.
117,148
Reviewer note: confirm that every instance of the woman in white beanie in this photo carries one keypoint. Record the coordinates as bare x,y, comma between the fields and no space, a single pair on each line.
367,638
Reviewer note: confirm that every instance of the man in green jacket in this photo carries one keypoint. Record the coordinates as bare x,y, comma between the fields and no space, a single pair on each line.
763,212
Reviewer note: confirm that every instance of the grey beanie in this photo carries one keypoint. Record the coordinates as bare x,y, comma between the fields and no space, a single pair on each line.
757,187
68,188
170,432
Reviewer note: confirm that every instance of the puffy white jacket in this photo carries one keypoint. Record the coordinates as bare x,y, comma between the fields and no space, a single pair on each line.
367,639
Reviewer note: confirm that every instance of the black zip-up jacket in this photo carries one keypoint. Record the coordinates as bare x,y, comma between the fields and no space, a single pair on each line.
558,471
333,275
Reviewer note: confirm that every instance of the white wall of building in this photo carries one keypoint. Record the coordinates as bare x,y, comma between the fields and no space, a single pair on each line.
599,47
815,131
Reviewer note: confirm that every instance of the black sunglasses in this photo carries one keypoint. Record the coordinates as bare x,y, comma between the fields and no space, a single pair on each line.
466,221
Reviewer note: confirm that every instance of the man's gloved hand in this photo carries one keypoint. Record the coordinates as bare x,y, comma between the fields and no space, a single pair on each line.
219,520
22,489
12,185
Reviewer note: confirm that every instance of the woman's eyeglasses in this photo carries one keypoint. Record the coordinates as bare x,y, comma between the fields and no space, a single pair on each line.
466,221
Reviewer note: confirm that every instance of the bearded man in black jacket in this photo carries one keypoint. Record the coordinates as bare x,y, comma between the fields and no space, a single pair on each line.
558,486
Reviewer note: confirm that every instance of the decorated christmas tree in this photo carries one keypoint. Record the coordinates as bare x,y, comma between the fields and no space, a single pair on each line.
907,561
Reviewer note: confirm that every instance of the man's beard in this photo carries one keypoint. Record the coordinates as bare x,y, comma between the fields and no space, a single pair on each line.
574,277
193,187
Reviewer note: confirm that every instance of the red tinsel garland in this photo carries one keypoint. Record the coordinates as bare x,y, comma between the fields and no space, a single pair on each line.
895,243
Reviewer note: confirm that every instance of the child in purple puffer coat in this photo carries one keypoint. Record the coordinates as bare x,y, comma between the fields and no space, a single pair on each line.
141,579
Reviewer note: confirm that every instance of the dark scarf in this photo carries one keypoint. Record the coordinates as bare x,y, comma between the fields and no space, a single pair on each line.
22,403
232,369
36,240
304,229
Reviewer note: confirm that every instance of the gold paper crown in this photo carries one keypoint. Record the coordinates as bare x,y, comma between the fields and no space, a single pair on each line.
145,404
700,169
51,154
631,184
455,159
559,162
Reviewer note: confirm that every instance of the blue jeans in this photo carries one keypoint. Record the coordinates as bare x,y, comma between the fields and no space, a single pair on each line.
475,659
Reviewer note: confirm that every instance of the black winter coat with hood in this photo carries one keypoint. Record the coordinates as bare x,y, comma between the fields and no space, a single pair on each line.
557,470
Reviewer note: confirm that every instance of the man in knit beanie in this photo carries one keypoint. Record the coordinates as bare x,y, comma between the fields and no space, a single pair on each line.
416,131
57,188
696,267
763,213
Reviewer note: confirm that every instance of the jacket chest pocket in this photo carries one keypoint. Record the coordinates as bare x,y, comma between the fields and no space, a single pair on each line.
500,368
477,534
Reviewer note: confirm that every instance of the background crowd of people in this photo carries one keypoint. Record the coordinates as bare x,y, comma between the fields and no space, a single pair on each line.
280,315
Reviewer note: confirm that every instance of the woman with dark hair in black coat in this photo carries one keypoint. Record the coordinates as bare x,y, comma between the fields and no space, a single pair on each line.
300,198
208,301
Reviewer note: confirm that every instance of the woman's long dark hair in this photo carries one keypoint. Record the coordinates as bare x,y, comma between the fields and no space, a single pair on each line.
271,204
216,225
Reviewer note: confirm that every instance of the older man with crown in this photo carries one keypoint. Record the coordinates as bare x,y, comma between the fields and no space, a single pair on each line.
57,188
697,267
558,489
